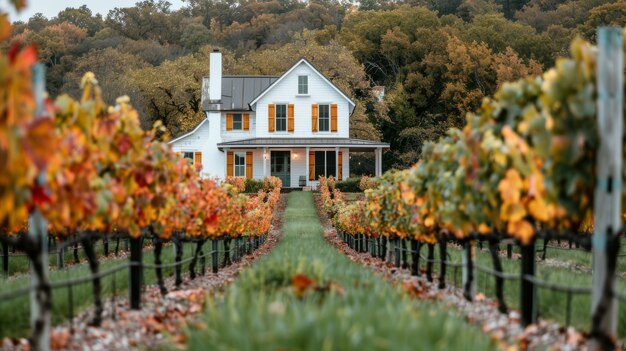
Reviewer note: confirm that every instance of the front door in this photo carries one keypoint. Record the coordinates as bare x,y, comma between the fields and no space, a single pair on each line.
281,166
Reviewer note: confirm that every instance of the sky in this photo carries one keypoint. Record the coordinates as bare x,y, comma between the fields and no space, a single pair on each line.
51,8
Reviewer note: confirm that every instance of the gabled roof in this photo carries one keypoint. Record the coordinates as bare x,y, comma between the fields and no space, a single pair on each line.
303,60
188,133
237,91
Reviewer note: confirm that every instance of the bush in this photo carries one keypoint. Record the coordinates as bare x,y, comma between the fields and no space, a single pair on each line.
271,183
328,183
253,185
350,185
237,183
367,183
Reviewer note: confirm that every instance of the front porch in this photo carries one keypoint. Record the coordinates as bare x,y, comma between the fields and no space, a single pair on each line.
297,162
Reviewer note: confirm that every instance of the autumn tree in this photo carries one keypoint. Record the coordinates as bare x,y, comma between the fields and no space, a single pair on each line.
171,92
611,14
81,17
195,36
110,66
147,20
333,60
57,47
54,41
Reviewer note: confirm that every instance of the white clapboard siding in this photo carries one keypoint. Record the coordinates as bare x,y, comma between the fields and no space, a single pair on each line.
285,92
205,140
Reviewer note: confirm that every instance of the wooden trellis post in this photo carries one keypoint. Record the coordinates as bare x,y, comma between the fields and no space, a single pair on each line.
469,283
607,210
40,299
5,259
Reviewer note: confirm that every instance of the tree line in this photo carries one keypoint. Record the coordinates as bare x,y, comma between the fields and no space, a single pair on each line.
436,59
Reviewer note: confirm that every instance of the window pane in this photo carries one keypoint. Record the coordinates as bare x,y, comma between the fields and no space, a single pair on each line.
324,118
320,163
281,118
240,165
330,164
188,155
237,121
303,84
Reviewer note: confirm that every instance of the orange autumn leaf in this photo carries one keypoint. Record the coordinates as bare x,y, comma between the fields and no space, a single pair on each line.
40,142
429,221
301,283
5,26
24,59
522,230
484,229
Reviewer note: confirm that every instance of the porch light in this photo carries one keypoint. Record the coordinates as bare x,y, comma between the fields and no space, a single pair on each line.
295,155
265,156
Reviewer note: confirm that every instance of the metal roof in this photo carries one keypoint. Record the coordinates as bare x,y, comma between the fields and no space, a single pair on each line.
279,142
237,91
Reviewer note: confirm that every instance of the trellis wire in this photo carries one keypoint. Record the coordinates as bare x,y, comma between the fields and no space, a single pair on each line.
251,244
570,291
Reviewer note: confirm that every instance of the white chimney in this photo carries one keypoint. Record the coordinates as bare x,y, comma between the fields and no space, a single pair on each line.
215,77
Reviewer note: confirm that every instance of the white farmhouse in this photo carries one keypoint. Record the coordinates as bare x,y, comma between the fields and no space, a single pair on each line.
295,127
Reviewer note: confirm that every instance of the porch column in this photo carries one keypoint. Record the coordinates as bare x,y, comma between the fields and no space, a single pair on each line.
337,163
379,162
306,169
265,162
226,163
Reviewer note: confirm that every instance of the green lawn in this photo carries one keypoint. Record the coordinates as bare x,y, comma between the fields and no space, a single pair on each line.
260,311
14,313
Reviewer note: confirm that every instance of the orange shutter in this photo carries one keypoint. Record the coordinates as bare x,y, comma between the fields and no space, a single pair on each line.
290,117
197,160
270,117
311,165
229,121
230,163
314,113
333,117
249,164
246,121
340,167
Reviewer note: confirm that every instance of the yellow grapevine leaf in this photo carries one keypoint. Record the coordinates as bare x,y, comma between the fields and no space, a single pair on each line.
539,210
512,212
510,187
407,195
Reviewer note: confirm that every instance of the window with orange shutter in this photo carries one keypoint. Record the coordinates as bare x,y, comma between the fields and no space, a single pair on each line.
237,121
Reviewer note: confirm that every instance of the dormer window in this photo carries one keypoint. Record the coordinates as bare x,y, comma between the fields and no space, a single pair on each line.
237,121
303,85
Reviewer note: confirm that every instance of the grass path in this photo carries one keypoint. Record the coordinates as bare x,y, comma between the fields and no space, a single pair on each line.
346,306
